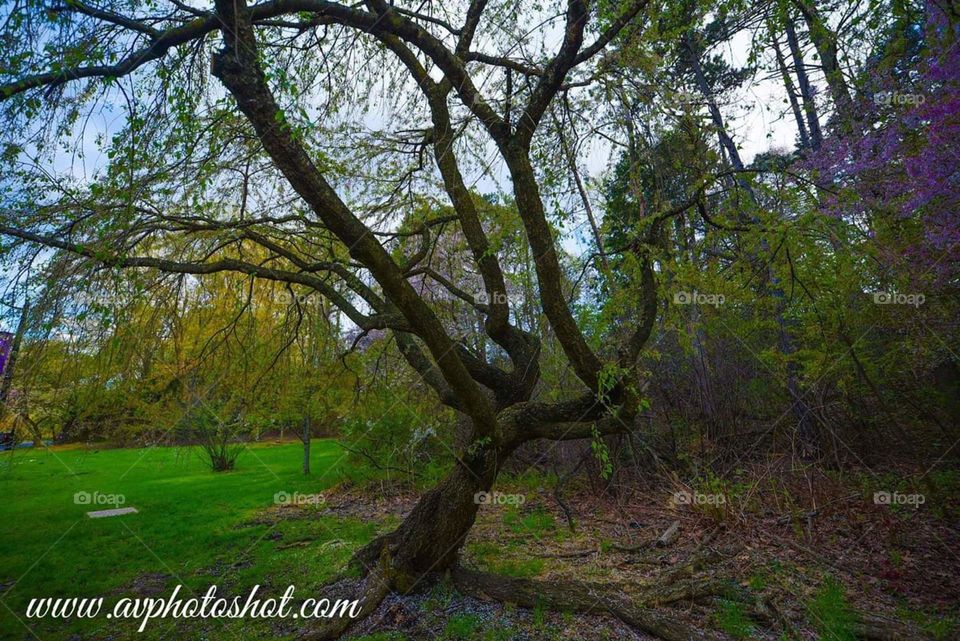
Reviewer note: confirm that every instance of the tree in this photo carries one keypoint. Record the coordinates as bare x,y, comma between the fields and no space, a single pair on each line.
271,163
165,202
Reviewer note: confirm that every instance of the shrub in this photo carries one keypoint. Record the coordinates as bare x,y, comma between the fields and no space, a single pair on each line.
220,439
397,438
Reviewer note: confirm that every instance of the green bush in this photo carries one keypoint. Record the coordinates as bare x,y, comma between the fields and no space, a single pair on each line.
220,433
397,438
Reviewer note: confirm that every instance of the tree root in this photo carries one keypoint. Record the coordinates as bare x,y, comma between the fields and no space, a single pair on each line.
641,612
575,554
574,596
872,627
673,592
375,586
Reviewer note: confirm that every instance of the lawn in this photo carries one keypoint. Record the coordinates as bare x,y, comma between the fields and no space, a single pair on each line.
193,527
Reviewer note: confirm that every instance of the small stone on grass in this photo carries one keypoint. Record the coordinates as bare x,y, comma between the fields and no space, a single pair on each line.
100,514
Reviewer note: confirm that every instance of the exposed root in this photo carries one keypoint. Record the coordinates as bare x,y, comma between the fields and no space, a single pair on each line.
872,627
642,612
375,586
693,590
575,596
575,554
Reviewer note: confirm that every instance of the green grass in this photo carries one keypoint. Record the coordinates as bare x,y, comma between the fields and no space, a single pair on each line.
830,613
938,624
510,559
461,626
519,568
733,620
538,523
194,527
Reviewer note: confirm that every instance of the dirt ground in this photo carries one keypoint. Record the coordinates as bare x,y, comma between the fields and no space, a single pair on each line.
801,564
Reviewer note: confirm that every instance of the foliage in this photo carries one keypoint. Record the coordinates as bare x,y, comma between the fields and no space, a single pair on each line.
396,435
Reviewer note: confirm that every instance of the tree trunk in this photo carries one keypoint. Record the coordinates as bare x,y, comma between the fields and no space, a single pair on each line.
430,538
791,91
806,91
806,431
11,363
305,437
825,42
725,140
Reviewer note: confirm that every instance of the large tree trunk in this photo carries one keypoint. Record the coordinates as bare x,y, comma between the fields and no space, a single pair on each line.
803,80
430,537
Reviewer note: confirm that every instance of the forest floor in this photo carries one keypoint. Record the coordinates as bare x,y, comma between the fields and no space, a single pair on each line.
806,563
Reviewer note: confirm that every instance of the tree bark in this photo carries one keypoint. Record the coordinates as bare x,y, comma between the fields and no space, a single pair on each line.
305,437
703,86
430,537
803,80
825,42
791,91
14,354
578,597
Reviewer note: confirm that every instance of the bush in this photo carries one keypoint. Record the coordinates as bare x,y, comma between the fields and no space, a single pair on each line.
397,438
220,439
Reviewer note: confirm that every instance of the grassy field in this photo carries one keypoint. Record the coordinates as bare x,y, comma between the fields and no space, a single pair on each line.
197,528
193,527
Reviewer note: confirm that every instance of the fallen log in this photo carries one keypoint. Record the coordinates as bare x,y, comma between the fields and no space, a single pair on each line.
569,555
